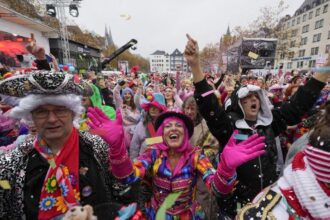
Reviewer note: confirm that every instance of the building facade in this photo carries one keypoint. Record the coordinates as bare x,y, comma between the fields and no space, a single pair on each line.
177,61
159,62
305,37
162,62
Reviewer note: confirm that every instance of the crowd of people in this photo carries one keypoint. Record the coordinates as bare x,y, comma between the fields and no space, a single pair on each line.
234,146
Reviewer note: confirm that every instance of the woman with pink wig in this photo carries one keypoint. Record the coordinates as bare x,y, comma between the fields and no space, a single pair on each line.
173,163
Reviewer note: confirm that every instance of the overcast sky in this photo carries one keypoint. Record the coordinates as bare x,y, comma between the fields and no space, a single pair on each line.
162,24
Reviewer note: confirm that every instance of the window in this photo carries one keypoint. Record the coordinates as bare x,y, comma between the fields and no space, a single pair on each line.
304,17
300,64
316,37
311,63
285,35
314,51
289,65
301,53
325,9
305,29
285,46
303,41
298,20
329,35
310,16
293,43
318,11
294,33
319,24
291,55
327,48
293,22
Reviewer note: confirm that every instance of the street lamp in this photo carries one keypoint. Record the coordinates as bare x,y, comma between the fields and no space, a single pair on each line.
51,11
59,5
73,10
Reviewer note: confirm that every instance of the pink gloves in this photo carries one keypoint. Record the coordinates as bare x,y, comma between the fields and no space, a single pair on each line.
234,155
112,132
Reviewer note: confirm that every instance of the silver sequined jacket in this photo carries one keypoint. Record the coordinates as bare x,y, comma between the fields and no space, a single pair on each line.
13,168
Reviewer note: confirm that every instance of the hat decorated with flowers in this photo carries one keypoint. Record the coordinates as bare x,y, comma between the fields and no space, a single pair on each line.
44,83
157,100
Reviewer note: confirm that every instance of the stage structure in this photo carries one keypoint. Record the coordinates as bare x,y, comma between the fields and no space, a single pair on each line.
57,7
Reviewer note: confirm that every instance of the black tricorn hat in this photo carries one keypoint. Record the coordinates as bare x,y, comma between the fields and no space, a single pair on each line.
44,83
188,122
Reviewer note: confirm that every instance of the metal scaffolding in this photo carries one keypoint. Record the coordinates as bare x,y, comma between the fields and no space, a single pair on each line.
60,6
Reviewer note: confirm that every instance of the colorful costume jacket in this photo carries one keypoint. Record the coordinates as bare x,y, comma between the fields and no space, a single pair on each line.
165,181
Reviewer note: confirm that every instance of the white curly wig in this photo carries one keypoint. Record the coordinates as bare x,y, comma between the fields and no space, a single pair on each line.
31,102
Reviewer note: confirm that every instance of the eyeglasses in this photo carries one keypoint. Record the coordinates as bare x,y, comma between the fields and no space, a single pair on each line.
44,113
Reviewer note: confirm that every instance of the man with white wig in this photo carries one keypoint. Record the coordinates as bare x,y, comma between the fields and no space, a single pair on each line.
62,167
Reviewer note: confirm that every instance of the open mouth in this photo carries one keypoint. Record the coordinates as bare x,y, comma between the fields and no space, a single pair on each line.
254,106
174,136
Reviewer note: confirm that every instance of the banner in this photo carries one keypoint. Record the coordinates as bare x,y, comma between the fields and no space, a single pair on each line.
123,66
262,72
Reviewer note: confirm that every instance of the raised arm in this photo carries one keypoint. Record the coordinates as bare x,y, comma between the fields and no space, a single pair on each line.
192,56
217,120
302,101
136,143
178,101
116,96
177,81
112,133
233,156
138,98
156,86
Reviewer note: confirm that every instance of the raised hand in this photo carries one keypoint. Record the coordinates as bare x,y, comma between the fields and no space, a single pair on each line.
112,132
234,155
191,54
191,51
175,91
